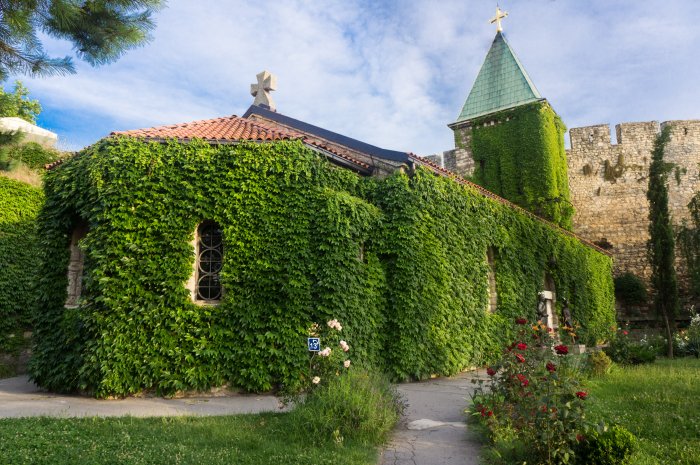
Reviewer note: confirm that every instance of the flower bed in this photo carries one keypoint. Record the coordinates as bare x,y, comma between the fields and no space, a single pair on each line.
533,403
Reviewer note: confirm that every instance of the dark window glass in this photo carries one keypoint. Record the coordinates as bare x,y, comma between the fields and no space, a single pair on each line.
210,250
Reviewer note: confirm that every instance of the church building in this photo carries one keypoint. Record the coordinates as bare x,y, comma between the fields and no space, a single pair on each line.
199,254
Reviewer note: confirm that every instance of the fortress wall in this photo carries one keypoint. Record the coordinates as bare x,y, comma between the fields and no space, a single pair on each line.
608,185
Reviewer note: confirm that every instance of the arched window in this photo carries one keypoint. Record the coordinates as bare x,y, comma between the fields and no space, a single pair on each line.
210,254
76,265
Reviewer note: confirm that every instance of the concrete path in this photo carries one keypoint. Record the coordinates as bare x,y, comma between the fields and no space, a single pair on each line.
433,431
20,398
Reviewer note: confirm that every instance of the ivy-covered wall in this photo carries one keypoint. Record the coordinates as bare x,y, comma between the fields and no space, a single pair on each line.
436,237
19,206
292,231
522,158
401,262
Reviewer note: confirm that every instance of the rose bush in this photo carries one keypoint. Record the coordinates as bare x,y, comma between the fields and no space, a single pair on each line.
533,399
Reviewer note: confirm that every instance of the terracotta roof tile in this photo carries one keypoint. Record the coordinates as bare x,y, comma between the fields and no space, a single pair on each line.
229,128
235,129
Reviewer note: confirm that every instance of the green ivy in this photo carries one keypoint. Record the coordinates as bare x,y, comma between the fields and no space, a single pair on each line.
292,232
436,236
30,154
523,159
19,205
401,262
689,244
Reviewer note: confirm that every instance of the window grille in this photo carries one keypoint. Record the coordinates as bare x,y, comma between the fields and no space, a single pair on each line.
209,261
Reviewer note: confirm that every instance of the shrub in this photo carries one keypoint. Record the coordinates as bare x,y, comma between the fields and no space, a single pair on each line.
622,349
611,446
630,289
19,249
343,401
34,155
598,363
693,335
534,398
358,405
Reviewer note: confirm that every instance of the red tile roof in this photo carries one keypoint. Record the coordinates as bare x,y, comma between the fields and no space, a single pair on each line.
235,129
229,128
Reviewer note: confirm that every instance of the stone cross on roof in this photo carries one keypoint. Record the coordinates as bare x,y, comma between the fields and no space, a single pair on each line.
497,19
261,91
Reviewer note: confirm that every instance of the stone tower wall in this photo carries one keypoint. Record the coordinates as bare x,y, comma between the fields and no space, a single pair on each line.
608,184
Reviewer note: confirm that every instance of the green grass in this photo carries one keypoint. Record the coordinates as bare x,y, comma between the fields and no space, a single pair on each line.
659,403
270,438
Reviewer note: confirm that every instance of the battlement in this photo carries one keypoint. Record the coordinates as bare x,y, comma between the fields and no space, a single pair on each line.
640,134
598,136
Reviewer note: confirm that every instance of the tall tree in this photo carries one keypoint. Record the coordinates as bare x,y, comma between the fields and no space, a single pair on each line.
661,245
100,30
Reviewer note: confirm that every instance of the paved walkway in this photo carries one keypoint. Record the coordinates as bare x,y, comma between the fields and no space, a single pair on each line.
20,398
433,431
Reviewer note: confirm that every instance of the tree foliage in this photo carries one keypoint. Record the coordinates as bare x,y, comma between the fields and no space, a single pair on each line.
661,244
100,30
17,103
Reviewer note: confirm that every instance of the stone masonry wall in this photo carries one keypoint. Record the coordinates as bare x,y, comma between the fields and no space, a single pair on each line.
460,158
608,184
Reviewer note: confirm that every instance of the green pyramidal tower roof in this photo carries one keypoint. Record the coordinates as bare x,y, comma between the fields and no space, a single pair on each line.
502,83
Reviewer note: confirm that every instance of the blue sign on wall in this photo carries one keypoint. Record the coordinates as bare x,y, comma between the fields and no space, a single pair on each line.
314,344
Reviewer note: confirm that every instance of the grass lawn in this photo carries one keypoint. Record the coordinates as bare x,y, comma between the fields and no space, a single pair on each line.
659,403
242,439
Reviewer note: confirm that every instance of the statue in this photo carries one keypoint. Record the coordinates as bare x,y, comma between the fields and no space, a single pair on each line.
568,321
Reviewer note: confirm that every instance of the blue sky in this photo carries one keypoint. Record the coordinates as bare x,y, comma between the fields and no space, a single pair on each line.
390,73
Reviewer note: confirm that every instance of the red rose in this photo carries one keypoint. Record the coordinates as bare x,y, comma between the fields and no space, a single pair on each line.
490,371
523,380
489,413
580,437
625,332
581,394
551,367
520,358
521,346
521,321
561,349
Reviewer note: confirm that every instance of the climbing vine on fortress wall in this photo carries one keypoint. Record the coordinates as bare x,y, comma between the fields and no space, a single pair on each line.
19,205
689,245
400,261
524,160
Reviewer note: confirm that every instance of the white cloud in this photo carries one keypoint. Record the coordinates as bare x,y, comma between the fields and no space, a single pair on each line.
391,73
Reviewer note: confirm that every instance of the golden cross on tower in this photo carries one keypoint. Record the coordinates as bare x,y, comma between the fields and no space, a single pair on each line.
497,19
